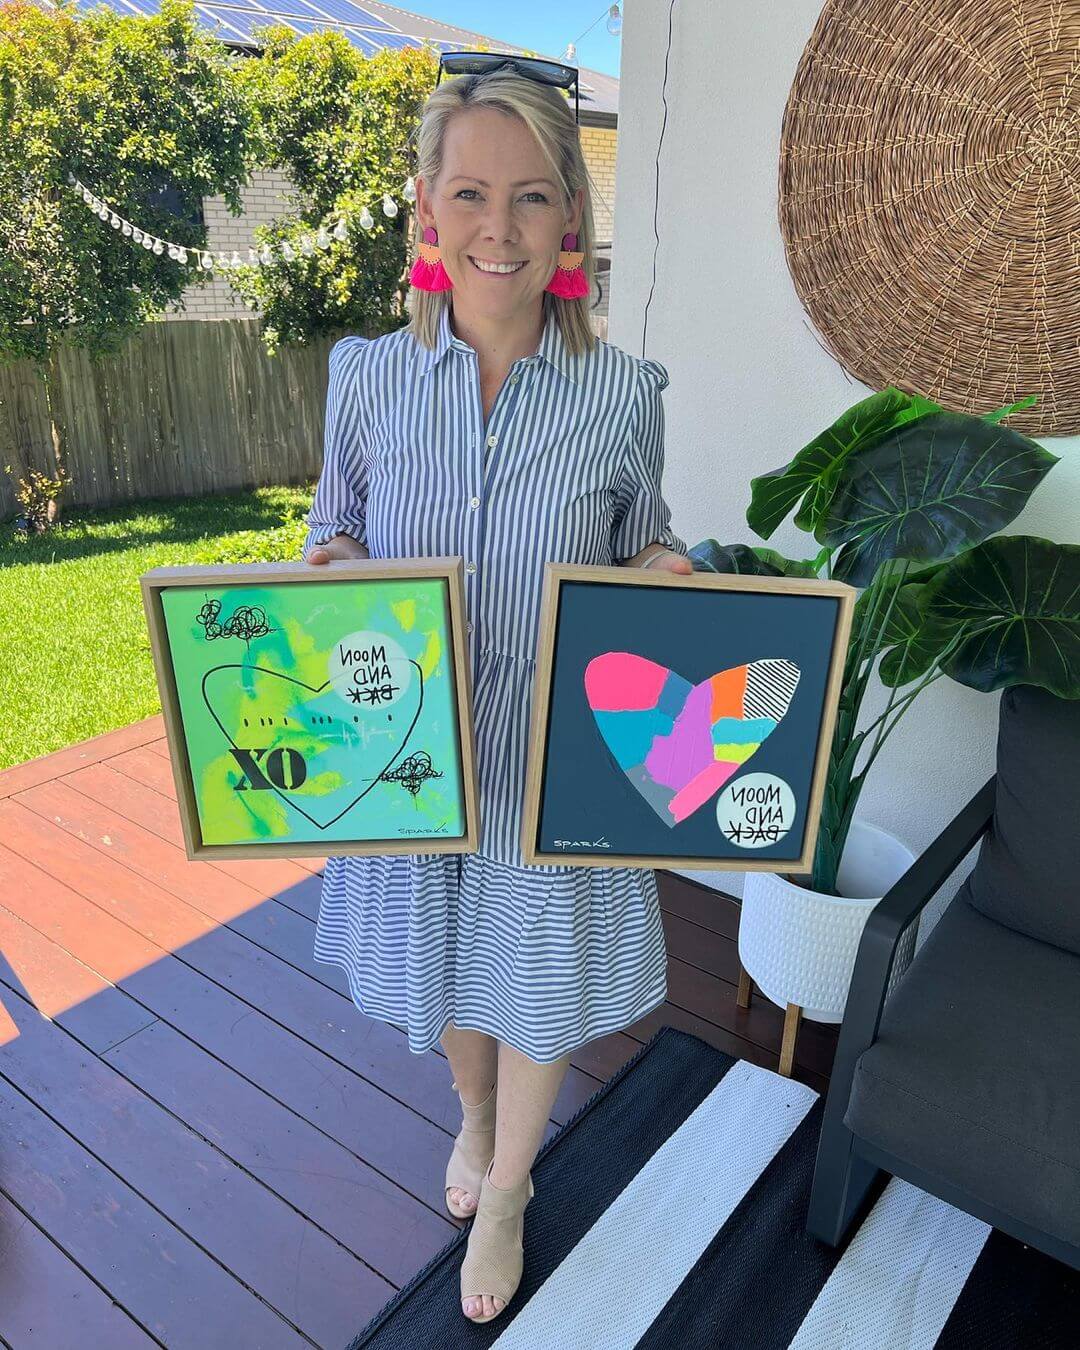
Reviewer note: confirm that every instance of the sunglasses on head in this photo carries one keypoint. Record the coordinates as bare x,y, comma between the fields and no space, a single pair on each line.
552,73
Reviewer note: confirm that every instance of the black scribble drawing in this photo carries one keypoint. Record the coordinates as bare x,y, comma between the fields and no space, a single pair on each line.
412,773
247,622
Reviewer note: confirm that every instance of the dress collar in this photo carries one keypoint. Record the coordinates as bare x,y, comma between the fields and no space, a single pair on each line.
552,349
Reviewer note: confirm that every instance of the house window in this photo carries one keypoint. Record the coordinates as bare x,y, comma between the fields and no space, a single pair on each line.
169,199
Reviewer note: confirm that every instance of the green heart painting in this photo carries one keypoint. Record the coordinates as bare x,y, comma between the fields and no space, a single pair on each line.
318,711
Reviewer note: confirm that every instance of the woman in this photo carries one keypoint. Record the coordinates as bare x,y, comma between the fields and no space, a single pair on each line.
497,428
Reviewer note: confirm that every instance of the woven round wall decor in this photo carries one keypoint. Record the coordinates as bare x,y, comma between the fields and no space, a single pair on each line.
929,199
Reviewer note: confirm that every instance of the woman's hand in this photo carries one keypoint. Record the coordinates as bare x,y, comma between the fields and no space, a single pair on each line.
341,546
667,560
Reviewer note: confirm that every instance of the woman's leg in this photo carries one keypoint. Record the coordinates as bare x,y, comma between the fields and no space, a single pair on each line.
474,1061
474,1058
527,1092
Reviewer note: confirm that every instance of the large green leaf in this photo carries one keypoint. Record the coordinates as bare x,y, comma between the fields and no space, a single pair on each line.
709,556
813,471
927,491
899,630
999,414
913,640
788,567
1015,603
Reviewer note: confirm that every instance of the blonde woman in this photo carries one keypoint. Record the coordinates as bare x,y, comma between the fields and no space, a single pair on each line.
496,427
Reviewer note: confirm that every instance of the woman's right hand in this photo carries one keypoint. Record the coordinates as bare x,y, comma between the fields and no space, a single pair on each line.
341,546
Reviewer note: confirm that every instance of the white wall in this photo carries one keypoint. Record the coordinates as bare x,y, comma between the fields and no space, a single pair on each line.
750,383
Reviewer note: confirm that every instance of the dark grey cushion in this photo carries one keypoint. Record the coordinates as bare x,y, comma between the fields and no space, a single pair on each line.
975,1077
1028,870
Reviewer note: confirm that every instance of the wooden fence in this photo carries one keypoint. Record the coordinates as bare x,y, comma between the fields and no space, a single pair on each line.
187,408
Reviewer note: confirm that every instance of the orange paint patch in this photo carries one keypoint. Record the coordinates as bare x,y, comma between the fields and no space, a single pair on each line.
728,689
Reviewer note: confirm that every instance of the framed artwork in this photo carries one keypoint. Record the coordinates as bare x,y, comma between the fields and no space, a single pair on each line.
682,720
316,710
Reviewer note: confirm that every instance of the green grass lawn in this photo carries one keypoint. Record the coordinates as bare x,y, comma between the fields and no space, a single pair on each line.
74,651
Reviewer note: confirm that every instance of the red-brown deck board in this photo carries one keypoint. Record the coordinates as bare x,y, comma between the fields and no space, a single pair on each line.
202,1140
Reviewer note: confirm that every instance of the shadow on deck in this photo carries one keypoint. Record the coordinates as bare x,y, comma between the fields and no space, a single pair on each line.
202,1141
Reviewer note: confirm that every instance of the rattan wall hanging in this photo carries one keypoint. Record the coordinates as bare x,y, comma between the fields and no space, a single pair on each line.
930,199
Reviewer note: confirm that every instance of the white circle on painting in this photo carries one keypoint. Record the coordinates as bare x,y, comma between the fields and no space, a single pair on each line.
369,670
756,810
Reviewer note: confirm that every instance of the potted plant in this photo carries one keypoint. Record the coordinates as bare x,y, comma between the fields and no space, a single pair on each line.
904,500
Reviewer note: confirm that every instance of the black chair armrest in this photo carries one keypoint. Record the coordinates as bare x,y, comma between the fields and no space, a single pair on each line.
891,917
845,1182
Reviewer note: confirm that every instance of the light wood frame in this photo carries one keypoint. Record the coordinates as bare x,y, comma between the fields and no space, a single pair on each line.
449,569
554,576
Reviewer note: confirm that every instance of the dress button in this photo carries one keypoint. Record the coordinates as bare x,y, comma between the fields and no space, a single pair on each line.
493,441
470,567
514,379
474,502
469,626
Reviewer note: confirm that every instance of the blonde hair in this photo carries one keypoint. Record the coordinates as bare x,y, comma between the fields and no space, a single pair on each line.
548,116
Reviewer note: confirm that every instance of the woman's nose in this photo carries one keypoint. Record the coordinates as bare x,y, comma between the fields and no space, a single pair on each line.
499,224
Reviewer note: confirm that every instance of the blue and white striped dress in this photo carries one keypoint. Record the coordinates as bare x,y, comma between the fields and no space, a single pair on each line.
567,469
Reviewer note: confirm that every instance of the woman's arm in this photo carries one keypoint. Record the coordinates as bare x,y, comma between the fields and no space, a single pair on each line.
337,521
670,562
641,533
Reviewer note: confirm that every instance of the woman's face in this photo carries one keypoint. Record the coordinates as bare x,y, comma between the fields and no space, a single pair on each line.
499,213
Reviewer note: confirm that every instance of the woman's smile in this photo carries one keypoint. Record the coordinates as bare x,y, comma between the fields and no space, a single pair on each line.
498,269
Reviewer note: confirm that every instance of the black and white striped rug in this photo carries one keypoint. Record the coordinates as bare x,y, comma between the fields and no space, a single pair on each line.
669,1215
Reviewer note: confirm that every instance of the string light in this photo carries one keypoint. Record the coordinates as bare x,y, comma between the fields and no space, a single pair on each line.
613,15
261,257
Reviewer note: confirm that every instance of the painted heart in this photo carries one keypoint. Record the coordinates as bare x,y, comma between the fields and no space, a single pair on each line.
345,752
677,742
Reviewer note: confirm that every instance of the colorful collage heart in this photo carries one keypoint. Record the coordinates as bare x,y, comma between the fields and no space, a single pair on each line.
678,743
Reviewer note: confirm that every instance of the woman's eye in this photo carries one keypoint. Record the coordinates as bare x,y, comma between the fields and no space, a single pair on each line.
535,197
467,194
540,195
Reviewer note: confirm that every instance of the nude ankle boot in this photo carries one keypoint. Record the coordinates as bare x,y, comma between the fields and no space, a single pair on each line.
474,1148
495,1257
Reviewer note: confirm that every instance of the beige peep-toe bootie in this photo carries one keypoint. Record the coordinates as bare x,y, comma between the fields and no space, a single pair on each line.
494,1255
474,1149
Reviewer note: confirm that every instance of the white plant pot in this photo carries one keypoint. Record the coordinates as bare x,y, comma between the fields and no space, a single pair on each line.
799,945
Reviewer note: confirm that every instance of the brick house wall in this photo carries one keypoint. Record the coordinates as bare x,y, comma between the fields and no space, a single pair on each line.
264,201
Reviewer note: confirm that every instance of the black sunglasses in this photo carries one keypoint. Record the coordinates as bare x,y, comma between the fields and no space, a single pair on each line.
553,73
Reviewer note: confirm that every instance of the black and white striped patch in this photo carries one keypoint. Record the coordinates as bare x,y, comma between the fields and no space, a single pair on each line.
669,1215
770,687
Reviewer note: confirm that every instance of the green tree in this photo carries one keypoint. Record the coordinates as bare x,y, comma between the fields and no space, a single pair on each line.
338,124
129,106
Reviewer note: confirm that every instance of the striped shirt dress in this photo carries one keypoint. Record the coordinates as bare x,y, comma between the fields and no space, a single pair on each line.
566,469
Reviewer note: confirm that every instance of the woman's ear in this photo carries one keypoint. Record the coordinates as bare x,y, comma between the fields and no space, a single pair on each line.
424,213
577,206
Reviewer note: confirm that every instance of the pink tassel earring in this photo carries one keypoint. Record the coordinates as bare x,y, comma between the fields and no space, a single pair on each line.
569,281
428,272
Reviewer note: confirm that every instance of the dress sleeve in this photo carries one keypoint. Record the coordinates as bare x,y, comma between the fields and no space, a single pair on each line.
340,502
642,516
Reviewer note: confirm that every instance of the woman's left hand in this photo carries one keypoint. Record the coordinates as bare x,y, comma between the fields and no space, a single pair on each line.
666,560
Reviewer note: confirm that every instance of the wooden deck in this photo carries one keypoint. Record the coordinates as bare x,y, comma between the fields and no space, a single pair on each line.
203,1143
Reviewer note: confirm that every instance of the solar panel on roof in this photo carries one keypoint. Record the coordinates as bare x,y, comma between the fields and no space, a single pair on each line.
346,12
251,7
305,26
361,42
117,5
340,11
396,41
234,24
